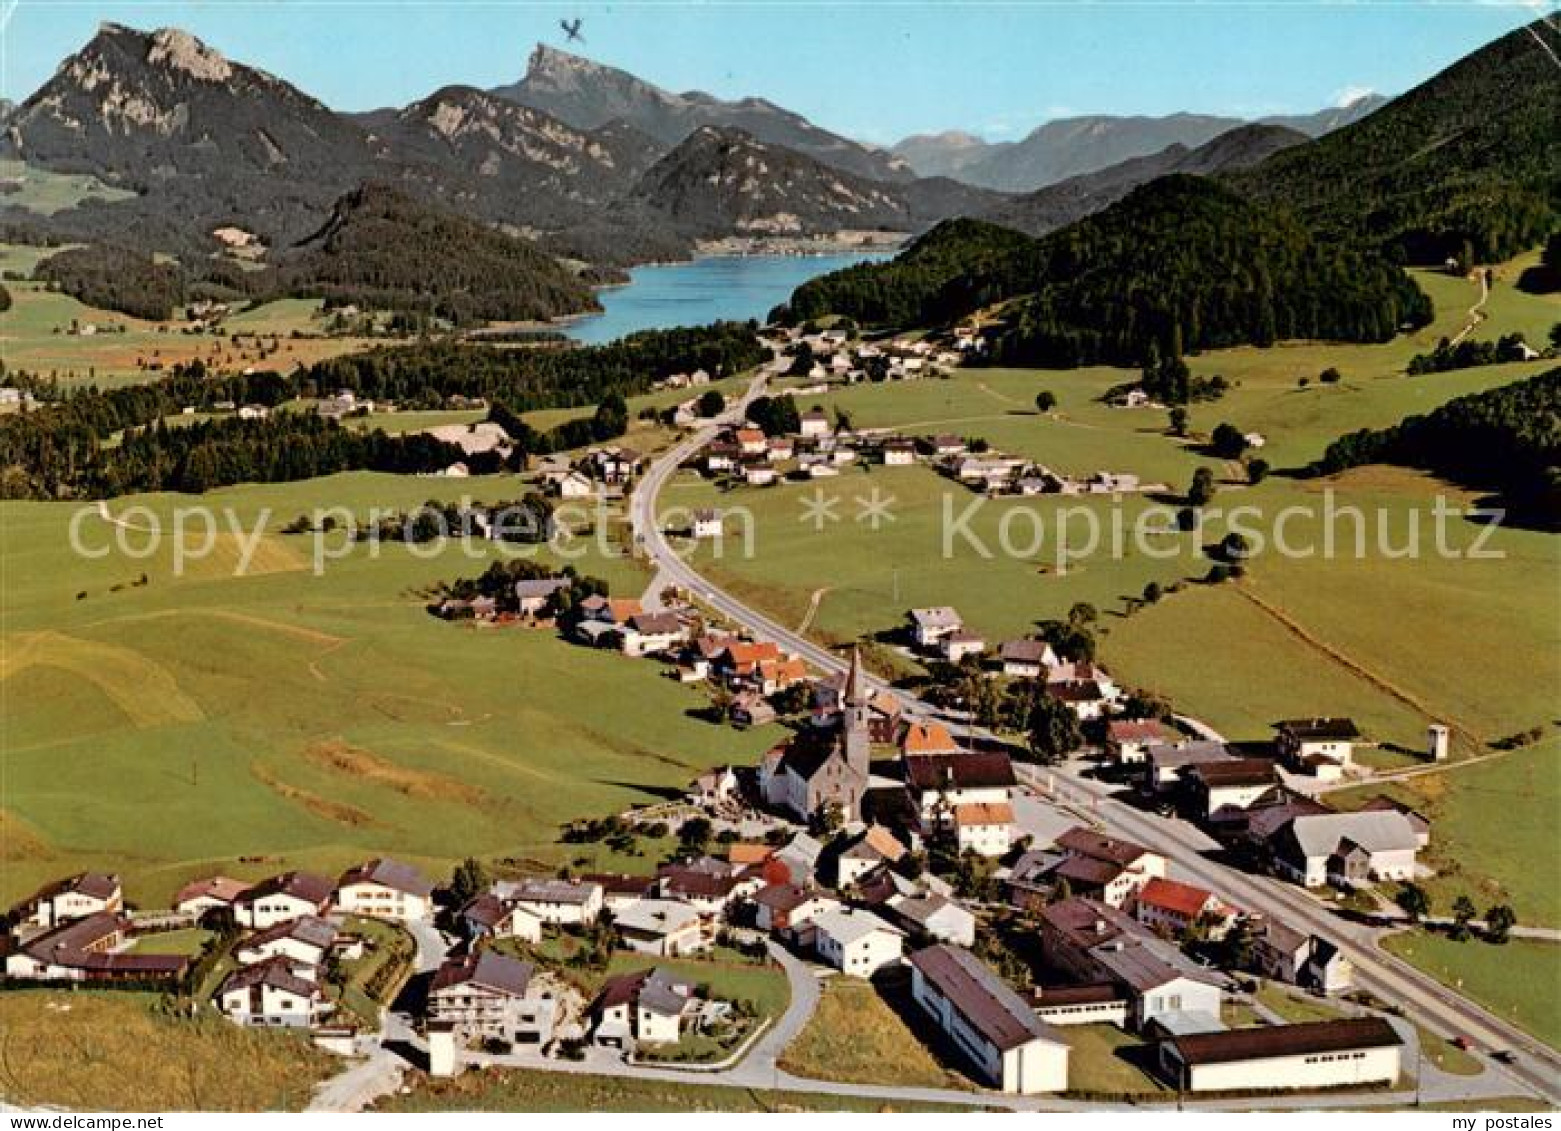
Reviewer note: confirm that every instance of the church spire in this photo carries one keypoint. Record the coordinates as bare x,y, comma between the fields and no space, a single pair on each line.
855,694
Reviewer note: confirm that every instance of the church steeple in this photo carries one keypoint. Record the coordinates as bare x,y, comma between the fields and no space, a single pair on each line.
854,714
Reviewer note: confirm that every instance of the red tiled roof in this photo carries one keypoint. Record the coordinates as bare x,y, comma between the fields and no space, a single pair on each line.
1175,897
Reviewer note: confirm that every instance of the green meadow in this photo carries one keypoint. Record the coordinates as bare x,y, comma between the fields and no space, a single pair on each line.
243,724
1519,980
45,192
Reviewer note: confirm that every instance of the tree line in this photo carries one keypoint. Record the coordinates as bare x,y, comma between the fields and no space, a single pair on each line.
1506,440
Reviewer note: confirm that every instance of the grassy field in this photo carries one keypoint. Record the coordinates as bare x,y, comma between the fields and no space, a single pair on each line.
91,1051
39,190
1519,980
283,719
191,940
525,1090
33,335
856,1037
1490,822
1106,1060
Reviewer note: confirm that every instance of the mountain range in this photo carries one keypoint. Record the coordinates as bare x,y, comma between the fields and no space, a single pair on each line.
1069,147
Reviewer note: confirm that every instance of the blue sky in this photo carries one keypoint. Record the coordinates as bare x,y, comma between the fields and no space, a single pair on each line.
876,69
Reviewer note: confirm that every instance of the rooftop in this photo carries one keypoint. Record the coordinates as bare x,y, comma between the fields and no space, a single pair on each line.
1286,1040
984,1000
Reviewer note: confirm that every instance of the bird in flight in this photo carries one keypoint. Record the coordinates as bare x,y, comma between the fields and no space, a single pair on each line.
572,30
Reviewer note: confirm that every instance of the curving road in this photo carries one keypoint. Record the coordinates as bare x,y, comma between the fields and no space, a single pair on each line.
1423,998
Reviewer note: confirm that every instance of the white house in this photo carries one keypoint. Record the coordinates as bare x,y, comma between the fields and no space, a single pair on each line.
1347,849
555,902
488,916
961,643
935,916
706,523
998,1033
1310,743
984,827
814,424
650,633
303,942
276,992
284,897
663,927
645,1007
930,626
86,893
1319,1054
1174,907
488,994
1027,658
857,942
202,896
386,889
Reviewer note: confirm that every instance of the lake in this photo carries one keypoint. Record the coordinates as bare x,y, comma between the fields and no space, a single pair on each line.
705,290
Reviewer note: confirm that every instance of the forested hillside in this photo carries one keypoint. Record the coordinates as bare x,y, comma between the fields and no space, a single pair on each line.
1182,263
1506,440
116,278
381,249
1468,164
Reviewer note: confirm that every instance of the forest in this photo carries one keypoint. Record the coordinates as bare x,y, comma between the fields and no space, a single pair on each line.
1181,264
1505,440
110,277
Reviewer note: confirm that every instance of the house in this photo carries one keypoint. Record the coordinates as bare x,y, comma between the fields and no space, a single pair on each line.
998,1033
555,902
784,907
620,890
1223,791
709,886
663,927
386,889
777,675
781,449
569,484
488,994
873,847
1173,907
856,942
1089,698
1319,1054
814,424
651,633
201,896
1097,943
645,1007
76,897
1110,868
984,827
962,643
90,949
489,916
1029,882
1346,849
740,659
706,523
720,456
1322,746
939,783
930,626
797,861
1128,740
305,941
1418,821
750,709
1027,658
946,444
532,598
928,738
760,475
1285,954
281,898
713,786
273,993
899,453
1164,763
750,442
934,916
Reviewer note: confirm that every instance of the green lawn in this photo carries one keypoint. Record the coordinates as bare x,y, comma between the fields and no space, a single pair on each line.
46,192
191,940
1519,980
1490,823
112,1051
1106,1060
324,718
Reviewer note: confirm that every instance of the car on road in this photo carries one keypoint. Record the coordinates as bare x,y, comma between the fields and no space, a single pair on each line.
1505,1056
1463,1043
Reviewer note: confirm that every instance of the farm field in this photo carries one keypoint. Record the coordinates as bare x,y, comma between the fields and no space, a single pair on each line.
39,190
1490,822
520,1089
857,1037
282,719
33,335
1519,980
142,1060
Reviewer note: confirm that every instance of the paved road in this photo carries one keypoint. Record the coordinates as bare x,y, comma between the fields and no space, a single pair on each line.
1426,1000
